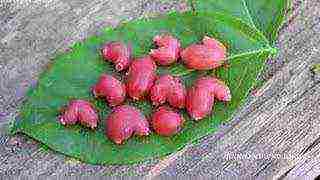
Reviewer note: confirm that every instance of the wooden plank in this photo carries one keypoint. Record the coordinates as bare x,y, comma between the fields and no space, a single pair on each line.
273,131
31,33
282,121
306,165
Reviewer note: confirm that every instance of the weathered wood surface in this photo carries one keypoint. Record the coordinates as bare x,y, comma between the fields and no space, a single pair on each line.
31,33
276,134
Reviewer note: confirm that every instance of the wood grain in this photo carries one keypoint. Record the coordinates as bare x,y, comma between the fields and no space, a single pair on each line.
31,34
274,135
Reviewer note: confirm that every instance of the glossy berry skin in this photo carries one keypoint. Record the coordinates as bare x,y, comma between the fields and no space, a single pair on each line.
79,111
220,90
170,89
111,89
141,77
199,102
168,51
208,55
166,122
201,96
124,122
117,53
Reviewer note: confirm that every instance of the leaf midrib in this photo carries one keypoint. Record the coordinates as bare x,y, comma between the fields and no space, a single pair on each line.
192,4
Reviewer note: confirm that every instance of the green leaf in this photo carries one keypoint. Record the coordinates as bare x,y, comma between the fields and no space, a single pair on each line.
73,73
268,16
265,15
236,8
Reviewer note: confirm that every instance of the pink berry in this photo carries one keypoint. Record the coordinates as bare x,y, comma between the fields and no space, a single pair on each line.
209,55
79,111
124,122
111,89
141,77
167,122
168,88
168,51
200,97
117,53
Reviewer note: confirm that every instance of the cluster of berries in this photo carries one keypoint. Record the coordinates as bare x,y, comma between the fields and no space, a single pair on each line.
142,81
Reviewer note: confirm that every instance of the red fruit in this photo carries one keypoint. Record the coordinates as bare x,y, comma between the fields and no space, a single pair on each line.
209,55
199,102
111,89
167,122
168,51
141,77
220,90
79,111
125,121
200,97
118,53
168,88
